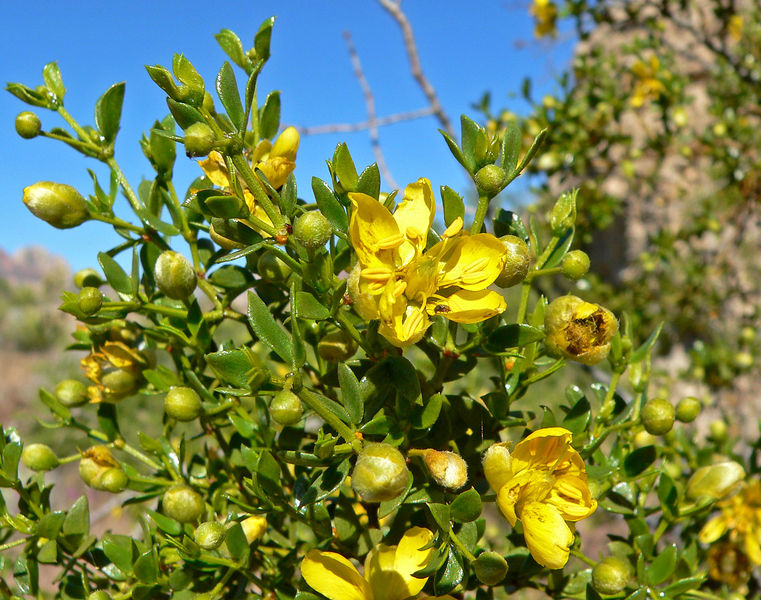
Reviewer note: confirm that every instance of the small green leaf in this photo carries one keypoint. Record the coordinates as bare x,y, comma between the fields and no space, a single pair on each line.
453,205
509,223
120,550
440,514
50,524
222,206
469,136
164,523
227,90
115,275
639,460
184,114
425,416
578,418
369,181
263,37
231,366
679,587
344,168
236,542
404,378
267,329
77,521
451,573
51,74
306,306
48,554
146,567
162,78
668,495
455,149
515,335
641,353
186,73
269,116
467,506
108,112
511,147
329,205
562,247
662,567
232,46
350,394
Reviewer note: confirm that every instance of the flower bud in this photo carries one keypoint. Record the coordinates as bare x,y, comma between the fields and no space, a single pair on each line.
182,503
563,215
71,392
175,275
365,305
39,457
490,568
210,535
715,481
99,595
57,204
336,345
490,179
719,431
610,575
199,140
312,229
272,269
254,528
517,262
380,473
286,408
28,125
579,330
87,278
287,144
219,233
119,383
575,265
182,403
447,469
497,465
658,416
113,480
687,409
90,300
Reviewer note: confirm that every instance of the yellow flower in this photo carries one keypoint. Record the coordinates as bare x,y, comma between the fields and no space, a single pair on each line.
578,330
402,284
542,483
115,370
388,570
647,85
741,516
276,161
735,27
545,14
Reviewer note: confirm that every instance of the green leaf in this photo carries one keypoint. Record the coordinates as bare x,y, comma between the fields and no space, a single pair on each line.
469,136
263,37
186,73
561,248
440,514
146,567
306,306
115,275
453,205
450,574
108,112
58,409
231,366
369,181
425,416
288,196
511,147
120,550
77,521
536,144
455,149
350,394
668,495
267,329
467,506
578,418
48,554
223,206
662,567
641,353
269,116
184,114
50,524
28,95
236,542
639,460
232,46
329,205
404,378
164,523
107,420
515,335
227,90
162,78
344,168
679,587
51,74
509,223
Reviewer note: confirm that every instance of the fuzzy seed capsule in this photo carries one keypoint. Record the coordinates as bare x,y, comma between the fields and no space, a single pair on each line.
490,568
610,575
490,179
658,416
182,403
71,392
28,125
380,473
210,535
182,503
575,265
90,300
336,346
687,409
272,269
199,139
87,278
286,408
175,275
312,229
58,204
517,261
39,457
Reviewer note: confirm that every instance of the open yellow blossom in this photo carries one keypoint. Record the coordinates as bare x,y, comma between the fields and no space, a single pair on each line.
403,284
647,85
545,14
388,570
276,161
115,369
741,517
542,483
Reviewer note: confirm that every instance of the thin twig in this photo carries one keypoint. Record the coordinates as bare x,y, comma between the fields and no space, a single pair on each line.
361,126
370,106
394,8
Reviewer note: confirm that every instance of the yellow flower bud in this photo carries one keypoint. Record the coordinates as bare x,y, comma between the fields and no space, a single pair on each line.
380,473
58,204
254,528
286,144
579,330
497,465
447,468
715,481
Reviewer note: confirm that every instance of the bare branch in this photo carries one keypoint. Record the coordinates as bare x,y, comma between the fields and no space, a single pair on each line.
361,126
370,105
394,8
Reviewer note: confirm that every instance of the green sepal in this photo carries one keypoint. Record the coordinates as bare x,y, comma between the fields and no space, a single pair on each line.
51,74
108,112
453,205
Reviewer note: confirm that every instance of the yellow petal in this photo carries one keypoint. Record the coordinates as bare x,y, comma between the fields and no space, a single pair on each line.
545,447
571,496
497,465
414,216
385,582
215,169
405,328
472,262
334,577
511,494
548,537
466,306
411,556
122,356
276,169
752,547
713,530
286,144
373,231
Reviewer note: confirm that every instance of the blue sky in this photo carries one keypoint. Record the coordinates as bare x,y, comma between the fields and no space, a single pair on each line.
464,51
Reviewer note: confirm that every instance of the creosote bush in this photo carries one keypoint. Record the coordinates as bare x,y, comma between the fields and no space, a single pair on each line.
379,401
